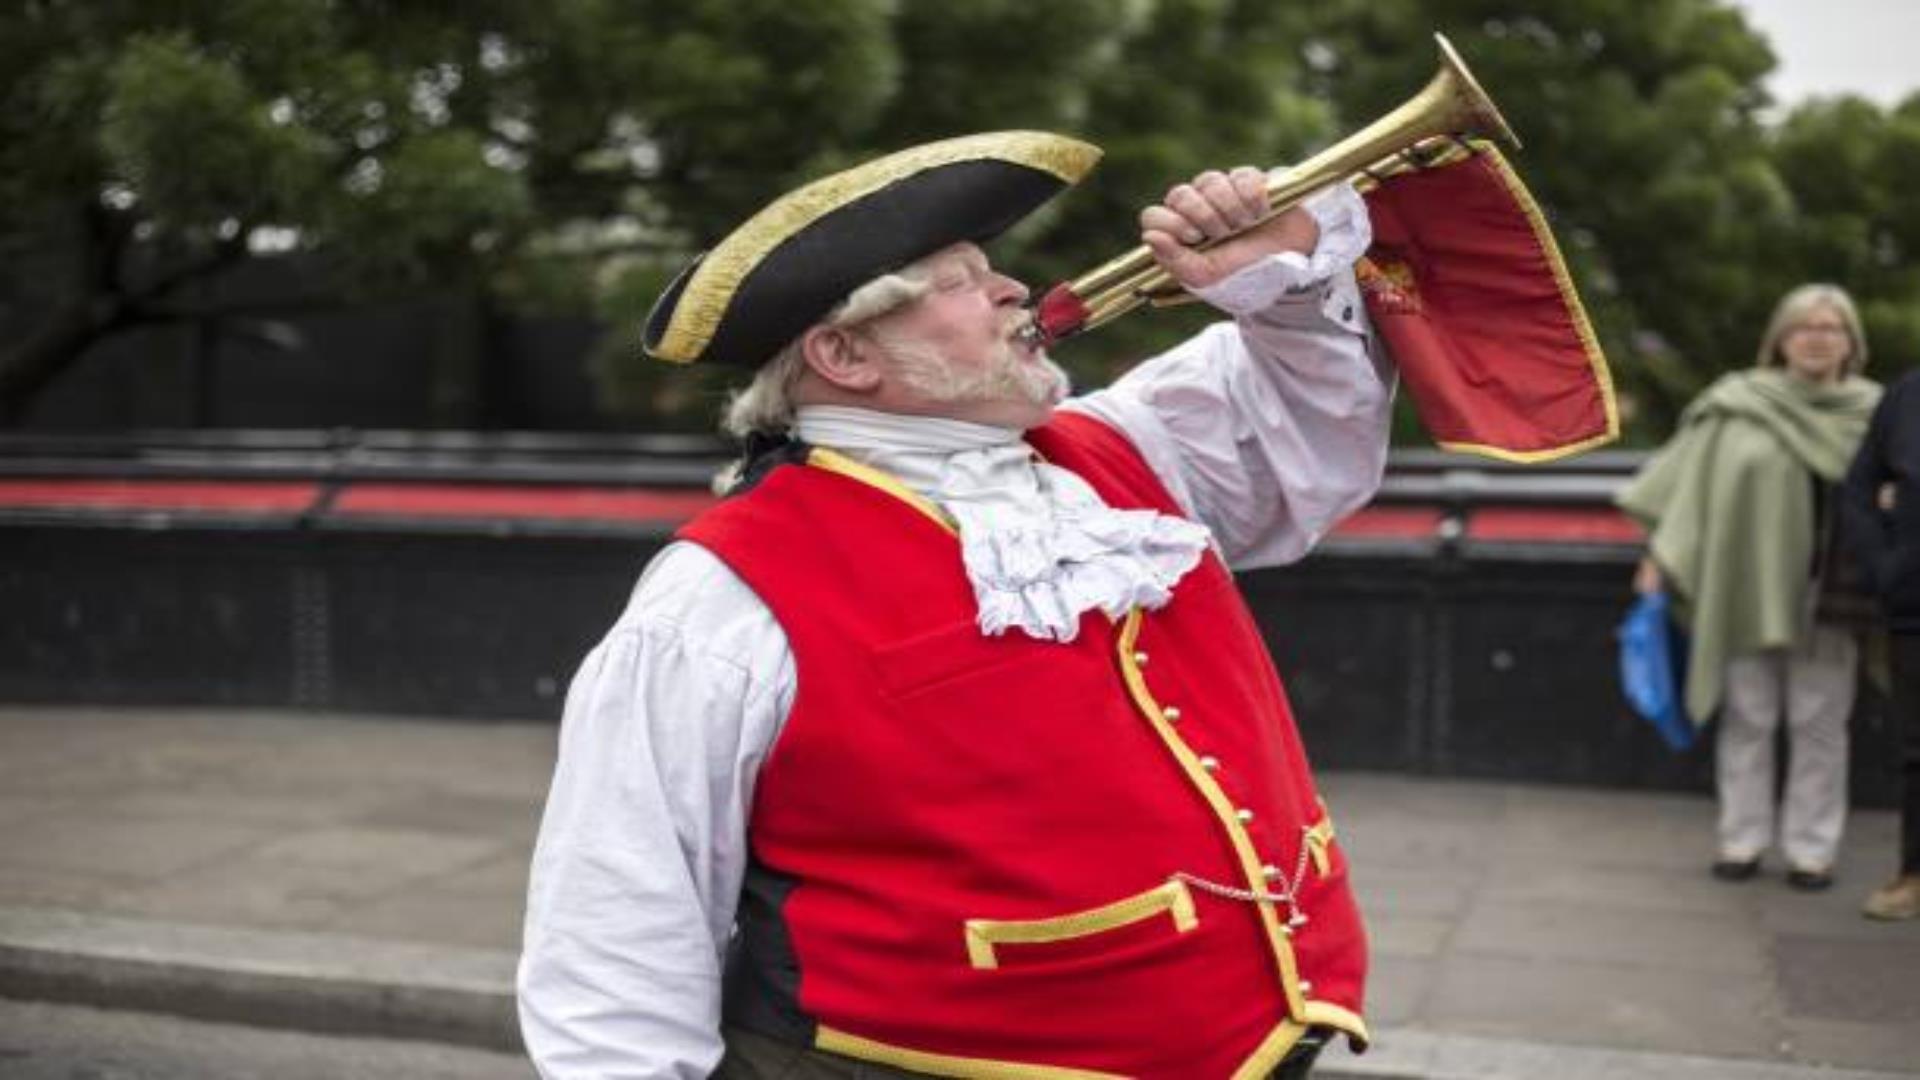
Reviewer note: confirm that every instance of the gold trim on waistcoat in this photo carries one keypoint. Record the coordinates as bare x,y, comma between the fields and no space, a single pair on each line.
1303,1012
1223,809
1171,898
834,461
1266,1057
1319,839
1261,1063
839,1042
1275,1046
1342,1019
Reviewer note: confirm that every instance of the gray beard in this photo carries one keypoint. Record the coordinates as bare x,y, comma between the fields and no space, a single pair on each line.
1004,377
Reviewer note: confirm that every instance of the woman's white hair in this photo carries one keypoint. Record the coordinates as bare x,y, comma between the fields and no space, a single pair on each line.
1793,309
765,406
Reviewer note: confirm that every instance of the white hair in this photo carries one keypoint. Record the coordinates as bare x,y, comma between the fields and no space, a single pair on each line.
1796,306
765,405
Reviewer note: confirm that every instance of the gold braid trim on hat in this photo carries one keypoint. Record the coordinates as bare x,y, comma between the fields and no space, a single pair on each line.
708,292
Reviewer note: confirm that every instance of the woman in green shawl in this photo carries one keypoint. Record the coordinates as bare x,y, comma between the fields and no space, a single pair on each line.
1738,509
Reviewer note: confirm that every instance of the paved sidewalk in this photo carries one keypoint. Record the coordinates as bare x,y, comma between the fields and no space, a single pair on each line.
365,874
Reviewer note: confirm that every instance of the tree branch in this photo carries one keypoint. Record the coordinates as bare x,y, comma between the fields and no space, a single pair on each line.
93,306
28,367
224,254
292,305
98,304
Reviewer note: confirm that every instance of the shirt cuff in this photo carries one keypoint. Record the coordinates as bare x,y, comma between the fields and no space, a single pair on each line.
1345,234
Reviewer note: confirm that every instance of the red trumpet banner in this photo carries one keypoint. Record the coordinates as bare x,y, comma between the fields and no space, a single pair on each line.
1468,290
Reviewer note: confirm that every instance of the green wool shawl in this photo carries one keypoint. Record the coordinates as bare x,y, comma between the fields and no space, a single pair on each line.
1728,505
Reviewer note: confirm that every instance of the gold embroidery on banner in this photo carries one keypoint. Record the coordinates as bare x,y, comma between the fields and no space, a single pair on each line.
853,1046
1390,282
703,302
1171,898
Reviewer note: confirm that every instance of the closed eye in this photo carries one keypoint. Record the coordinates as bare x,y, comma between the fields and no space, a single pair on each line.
956,280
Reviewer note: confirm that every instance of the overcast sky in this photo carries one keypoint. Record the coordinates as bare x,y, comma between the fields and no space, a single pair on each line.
1865,47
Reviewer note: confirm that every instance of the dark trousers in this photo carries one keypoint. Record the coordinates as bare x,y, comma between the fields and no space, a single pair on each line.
756,1057
1906,703
752,1056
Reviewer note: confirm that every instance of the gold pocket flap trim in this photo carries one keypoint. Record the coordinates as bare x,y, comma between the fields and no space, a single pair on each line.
1172,898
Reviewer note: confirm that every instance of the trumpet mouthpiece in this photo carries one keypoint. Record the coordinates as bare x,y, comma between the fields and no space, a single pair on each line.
1059,315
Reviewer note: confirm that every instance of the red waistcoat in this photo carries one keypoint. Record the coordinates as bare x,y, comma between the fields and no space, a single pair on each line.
1009,852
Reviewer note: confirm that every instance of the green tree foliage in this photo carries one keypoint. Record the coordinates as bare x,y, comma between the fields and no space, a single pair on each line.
1165,106
1684,209
1144,80
1856,215
496,147
1642,141
948,70
570,156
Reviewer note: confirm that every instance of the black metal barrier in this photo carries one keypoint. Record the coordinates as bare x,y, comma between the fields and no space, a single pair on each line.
1432,635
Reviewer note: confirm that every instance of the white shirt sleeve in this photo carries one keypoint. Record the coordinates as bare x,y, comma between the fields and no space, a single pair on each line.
1273,427
642,849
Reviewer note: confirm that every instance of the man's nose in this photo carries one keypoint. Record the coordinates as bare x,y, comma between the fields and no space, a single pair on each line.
1009,290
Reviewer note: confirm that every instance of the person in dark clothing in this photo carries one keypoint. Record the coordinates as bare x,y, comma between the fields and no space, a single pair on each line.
1880,503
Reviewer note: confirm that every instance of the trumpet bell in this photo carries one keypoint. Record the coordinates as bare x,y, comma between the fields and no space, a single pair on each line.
1452,106
1472,104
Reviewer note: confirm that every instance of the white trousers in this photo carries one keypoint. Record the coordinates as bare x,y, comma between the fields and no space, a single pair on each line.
1813,685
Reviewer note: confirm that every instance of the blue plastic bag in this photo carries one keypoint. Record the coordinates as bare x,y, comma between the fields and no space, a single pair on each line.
1652,667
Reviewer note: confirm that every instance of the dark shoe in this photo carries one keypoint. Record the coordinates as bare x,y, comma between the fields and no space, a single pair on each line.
1735,869
1810,880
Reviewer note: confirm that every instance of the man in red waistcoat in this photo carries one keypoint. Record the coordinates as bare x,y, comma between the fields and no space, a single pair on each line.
945,745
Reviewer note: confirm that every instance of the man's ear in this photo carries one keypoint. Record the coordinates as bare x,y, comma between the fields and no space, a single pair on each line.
840,359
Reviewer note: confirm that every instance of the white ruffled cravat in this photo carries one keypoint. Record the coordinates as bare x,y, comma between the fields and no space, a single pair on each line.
1040,547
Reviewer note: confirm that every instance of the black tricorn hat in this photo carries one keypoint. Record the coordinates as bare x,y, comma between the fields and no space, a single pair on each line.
789,264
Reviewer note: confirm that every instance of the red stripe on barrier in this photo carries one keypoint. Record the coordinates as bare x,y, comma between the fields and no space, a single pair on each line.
253,497
503,501
1390,522
1564,525
1602,525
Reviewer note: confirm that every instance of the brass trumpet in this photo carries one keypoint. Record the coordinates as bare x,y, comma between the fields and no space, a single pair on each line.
1449,109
